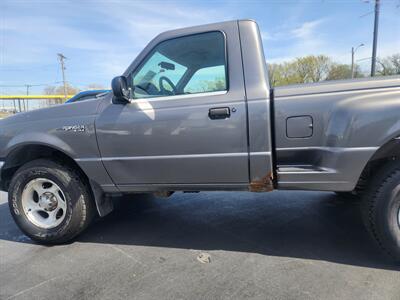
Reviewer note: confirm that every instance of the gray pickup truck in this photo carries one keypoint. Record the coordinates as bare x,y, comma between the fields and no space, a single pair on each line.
195,112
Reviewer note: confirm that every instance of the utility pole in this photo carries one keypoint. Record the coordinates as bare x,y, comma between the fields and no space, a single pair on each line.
352,62
353,51
375,41
61,57
28,86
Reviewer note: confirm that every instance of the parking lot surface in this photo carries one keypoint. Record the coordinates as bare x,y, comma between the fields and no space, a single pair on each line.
280,245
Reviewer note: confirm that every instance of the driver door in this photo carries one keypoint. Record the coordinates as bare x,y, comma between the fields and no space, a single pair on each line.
186,126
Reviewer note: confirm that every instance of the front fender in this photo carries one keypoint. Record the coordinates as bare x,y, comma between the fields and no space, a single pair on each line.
27,139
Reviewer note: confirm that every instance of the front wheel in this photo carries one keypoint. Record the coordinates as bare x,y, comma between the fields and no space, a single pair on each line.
381,209
50,202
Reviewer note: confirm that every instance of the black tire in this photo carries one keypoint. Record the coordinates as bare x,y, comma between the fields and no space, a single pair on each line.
79,204
380,209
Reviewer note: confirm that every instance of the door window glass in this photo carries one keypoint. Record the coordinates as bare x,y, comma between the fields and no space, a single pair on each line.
209,79
185,65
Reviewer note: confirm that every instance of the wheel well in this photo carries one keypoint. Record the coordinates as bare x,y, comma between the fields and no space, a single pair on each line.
24,154
389,151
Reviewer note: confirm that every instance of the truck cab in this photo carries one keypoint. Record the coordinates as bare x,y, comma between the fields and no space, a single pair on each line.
187,126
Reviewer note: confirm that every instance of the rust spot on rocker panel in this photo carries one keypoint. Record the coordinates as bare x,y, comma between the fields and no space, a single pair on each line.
264,185
163,194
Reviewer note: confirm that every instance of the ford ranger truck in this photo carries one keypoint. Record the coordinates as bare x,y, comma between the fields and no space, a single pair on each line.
195,112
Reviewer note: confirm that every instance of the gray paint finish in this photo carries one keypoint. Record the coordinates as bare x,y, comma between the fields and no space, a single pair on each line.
181,143
349,125
299,127
45,127
170,143
258,102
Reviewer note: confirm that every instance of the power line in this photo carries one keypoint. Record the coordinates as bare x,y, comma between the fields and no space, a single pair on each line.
42,67
365,58
31,85
367,14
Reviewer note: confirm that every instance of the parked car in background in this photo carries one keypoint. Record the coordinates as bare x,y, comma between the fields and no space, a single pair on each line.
87,95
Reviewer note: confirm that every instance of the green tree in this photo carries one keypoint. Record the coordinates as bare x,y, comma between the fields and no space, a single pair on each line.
339,71
283,74
343,71
218,84
313,68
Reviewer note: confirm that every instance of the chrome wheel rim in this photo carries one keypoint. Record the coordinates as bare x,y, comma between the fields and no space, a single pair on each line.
44,203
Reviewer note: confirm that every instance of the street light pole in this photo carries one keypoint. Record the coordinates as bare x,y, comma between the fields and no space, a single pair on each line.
353,51
375,41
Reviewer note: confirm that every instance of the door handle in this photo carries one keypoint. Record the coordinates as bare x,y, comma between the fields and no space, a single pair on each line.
219,113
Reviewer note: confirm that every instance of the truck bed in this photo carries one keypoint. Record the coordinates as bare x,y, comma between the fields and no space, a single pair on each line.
327,132
338,85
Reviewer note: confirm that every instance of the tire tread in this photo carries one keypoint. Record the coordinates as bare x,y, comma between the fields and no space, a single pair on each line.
370,201
86,200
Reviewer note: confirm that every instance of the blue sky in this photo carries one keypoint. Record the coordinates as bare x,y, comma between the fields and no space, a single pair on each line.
101,38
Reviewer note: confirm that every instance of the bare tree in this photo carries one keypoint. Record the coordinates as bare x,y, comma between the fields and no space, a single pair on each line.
389,65
395,59
59,90
95,86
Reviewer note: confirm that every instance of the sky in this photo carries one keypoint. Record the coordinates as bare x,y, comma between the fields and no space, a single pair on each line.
101,38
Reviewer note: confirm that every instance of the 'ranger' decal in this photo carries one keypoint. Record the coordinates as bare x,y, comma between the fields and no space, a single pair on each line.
74,128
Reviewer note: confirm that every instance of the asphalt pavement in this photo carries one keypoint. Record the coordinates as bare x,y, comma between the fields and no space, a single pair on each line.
279,245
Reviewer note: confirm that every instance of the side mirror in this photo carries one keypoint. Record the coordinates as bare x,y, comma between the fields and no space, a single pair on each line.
120,90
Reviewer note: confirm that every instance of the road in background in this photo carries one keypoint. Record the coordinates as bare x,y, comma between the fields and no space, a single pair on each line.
285,245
